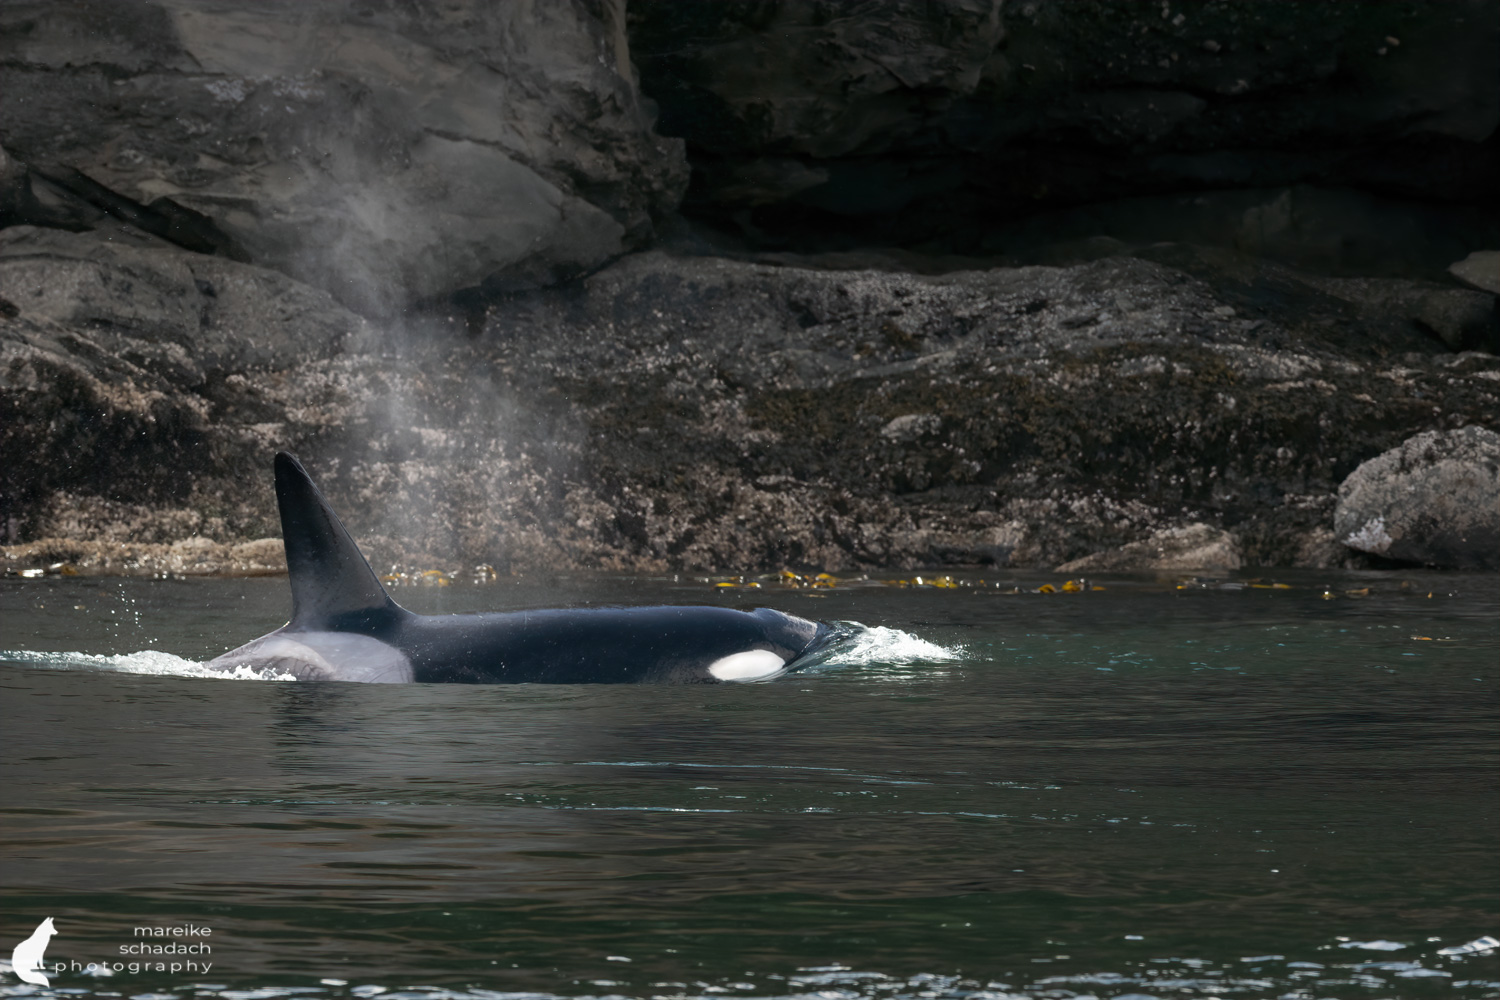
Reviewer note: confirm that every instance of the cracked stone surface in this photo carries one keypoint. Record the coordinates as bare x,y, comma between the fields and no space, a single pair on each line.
380,152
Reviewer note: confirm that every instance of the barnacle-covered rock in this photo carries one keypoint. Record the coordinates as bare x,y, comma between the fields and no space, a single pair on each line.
1433,499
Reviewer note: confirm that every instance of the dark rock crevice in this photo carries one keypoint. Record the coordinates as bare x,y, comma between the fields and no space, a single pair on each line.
802,138
162,218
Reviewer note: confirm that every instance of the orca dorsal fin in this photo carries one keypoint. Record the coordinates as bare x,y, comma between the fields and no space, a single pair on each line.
332,584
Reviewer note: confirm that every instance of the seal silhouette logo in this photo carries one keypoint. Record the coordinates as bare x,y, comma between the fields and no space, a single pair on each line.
26,957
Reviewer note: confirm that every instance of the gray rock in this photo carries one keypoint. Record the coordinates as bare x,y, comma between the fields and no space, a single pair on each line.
1187,547
1463,320
712,414
383,153
1434,499
126,373
145,300
1480,269
911,426
1335,231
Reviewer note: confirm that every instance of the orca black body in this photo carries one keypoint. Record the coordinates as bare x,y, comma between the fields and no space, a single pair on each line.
346,627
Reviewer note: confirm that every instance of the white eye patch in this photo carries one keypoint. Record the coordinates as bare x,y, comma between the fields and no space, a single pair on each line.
751,665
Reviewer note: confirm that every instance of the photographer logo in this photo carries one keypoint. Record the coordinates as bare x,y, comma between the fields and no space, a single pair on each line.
27,957
171,949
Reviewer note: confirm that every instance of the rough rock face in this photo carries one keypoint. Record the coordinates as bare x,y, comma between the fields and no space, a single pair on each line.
707,413
383,152
1480,269
1434,499
1190,547
112,348
933,123
207,317
953,303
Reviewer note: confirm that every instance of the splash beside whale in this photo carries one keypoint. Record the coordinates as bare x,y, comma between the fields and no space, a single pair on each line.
345,627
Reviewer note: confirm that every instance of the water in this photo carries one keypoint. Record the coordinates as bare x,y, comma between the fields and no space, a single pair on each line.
1136,791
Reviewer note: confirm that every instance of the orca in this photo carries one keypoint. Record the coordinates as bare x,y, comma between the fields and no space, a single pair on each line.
345,627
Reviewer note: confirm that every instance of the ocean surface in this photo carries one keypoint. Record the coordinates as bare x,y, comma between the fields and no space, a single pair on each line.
1282,787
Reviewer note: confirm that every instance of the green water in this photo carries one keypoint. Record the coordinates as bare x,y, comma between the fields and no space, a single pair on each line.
1139,791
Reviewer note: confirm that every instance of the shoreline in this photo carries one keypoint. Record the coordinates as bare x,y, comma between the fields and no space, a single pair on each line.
201,558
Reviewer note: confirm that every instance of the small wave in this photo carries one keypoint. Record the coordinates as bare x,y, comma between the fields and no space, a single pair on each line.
151,662
864,646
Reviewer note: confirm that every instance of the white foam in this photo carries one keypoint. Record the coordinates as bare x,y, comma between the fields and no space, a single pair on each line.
152,662
1474,947
1381,945
887,647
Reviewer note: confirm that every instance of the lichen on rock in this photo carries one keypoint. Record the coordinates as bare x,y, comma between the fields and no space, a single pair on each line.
1434,500
713,413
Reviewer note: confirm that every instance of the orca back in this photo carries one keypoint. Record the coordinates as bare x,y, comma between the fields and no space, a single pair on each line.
346,627
333,587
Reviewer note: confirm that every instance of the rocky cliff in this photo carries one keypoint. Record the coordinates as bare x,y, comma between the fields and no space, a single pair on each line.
964,283
384,152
